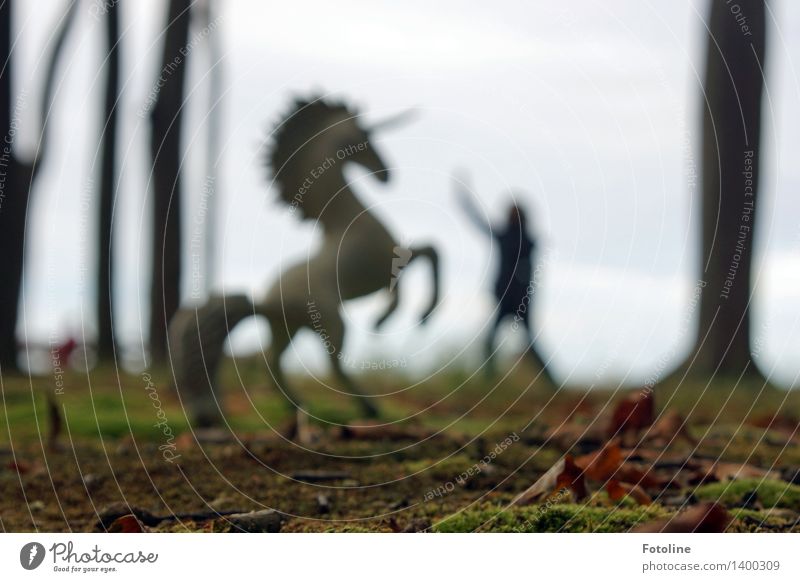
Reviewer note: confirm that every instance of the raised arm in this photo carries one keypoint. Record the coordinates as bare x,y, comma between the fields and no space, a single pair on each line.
467,202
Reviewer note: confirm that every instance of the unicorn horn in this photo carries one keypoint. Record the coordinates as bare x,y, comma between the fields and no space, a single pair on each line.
397,119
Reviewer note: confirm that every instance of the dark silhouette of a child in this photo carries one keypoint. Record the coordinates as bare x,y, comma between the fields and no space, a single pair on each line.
514,286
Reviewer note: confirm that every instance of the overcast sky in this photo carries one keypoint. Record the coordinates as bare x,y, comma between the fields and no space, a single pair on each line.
589,109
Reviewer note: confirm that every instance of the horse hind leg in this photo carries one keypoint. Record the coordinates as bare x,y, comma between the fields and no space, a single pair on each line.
333,345
197,336
281,338
429,252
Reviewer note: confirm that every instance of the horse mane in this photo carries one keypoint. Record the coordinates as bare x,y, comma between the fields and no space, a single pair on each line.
296,129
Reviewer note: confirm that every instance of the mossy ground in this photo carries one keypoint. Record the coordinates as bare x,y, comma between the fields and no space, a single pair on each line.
110,453
769,493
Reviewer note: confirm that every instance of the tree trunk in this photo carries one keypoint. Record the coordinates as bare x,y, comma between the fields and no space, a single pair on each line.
10,204
165,146
17,176
214,148
108,183
731,151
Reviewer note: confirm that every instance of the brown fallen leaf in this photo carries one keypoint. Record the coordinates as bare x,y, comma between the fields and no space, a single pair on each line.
572,478
20,467
602,464
777,421
126,524
708,517
645,476
114,511
564,474
617,490
669,427
635,412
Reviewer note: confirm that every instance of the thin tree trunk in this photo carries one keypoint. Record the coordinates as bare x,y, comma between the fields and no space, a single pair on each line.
17,177
12,207
165,146
731,151
108,183
214,147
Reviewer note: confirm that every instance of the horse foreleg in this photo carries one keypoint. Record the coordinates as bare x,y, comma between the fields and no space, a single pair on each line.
391,308
430,253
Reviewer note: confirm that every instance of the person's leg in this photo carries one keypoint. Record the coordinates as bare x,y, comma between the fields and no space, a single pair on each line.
531,350
489,366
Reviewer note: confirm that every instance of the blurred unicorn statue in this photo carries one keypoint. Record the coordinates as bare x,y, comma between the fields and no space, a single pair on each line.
358,256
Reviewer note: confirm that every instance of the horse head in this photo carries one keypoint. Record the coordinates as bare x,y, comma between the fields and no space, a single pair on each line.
310,146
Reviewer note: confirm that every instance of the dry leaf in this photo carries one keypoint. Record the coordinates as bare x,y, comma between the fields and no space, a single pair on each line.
647,478
708,517
634,413
777,421
603,464
126,524
20,467
564,474
669,427
617,490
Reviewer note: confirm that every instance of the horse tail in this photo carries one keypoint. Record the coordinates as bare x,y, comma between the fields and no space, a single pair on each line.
429,253
196,338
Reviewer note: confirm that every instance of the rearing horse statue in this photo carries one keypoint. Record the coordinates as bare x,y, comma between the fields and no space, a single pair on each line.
358,256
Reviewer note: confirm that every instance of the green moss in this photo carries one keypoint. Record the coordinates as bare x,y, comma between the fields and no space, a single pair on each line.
449,468
749,521
770,493
601,499
568,518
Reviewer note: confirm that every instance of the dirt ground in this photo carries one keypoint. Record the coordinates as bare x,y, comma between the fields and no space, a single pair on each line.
427,470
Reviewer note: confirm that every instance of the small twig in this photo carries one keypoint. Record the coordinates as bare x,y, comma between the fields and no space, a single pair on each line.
319,476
